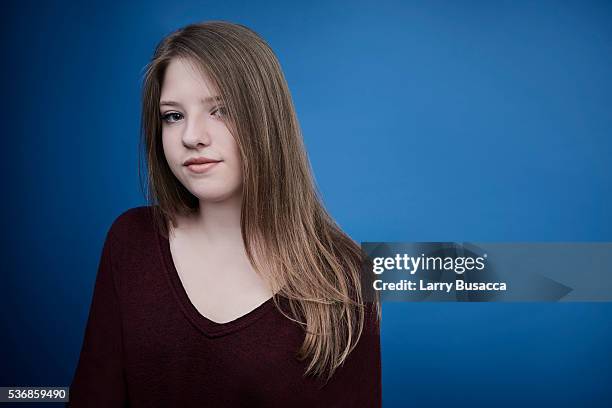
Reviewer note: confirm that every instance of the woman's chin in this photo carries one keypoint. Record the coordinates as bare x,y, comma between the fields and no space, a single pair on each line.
208,196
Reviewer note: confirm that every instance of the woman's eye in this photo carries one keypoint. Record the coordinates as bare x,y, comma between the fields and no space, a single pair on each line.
171,117
219,111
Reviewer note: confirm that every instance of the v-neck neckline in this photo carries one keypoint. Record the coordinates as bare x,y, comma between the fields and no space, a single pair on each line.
204,324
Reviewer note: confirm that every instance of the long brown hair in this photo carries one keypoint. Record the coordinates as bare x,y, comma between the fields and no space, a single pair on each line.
310,261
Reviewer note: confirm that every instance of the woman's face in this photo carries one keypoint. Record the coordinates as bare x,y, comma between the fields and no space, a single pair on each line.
193,126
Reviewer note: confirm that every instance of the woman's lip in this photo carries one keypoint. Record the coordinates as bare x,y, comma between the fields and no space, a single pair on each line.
201,168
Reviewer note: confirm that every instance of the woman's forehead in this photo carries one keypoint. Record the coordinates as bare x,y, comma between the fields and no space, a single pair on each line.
183,80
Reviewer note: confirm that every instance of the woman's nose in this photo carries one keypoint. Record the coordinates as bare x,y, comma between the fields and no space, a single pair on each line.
196,132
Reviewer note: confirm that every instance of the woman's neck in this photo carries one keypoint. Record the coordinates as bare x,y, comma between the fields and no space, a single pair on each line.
215,223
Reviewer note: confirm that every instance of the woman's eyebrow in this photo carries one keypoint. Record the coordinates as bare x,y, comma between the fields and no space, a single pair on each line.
208,99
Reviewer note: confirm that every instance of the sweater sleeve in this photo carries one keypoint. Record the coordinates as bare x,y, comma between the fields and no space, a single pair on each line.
359,382
99,379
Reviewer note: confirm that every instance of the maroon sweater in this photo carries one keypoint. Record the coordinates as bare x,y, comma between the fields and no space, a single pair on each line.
146,344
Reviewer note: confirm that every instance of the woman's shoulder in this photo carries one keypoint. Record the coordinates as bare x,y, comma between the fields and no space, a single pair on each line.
373,316
133,222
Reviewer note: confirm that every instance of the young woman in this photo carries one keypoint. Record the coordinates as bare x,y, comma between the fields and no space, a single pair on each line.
234,287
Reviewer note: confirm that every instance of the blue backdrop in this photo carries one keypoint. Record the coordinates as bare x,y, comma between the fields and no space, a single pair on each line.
424,121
